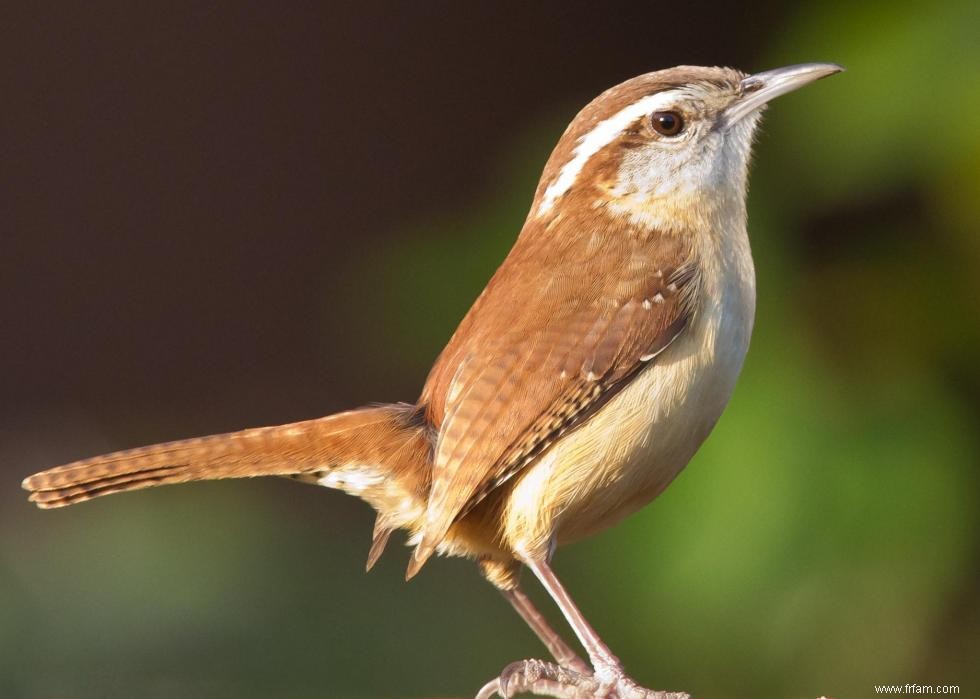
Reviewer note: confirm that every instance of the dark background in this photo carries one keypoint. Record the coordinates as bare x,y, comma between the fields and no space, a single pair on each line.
218,216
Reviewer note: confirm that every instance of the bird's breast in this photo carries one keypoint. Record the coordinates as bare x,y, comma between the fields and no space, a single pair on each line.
635,445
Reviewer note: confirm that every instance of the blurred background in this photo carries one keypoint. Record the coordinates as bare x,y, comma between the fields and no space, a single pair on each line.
219,216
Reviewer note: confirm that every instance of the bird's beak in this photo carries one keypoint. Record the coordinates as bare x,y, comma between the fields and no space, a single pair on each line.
758,89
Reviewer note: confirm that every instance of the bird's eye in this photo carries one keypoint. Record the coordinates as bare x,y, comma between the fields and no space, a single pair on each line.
667,123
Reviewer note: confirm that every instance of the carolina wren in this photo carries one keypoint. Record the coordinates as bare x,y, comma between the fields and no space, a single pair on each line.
582,380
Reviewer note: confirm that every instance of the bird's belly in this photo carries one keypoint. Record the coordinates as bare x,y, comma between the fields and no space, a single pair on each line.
634,446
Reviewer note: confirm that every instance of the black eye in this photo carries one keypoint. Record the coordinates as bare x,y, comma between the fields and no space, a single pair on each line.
667,123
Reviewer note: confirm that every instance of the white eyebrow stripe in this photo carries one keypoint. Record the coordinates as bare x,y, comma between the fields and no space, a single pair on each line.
600,136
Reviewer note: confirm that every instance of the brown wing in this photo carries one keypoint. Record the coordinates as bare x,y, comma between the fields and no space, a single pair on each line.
560,329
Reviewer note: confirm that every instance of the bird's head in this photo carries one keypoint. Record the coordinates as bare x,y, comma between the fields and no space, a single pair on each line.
665,146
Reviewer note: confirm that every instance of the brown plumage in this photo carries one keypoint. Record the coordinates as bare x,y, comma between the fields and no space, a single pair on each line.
549,341
543,347
308,450
582,380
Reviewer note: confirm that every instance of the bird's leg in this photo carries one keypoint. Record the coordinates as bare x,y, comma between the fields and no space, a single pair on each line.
609,674
605,664
505,576
555,644
565,681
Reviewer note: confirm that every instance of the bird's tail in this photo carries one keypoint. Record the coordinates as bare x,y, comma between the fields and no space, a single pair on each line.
378,453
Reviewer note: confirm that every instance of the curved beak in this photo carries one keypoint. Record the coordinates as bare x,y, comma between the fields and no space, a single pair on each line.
759,88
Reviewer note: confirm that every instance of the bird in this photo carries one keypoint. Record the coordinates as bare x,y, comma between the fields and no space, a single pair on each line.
581,381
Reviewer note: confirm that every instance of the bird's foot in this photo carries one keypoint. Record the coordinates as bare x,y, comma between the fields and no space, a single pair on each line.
541,679
545,679
625,688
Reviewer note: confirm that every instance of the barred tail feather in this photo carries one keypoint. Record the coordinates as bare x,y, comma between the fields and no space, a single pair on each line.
312,448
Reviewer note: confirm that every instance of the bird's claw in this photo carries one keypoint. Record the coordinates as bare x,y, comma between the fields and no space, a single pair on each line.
545,679
625,688
539,678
